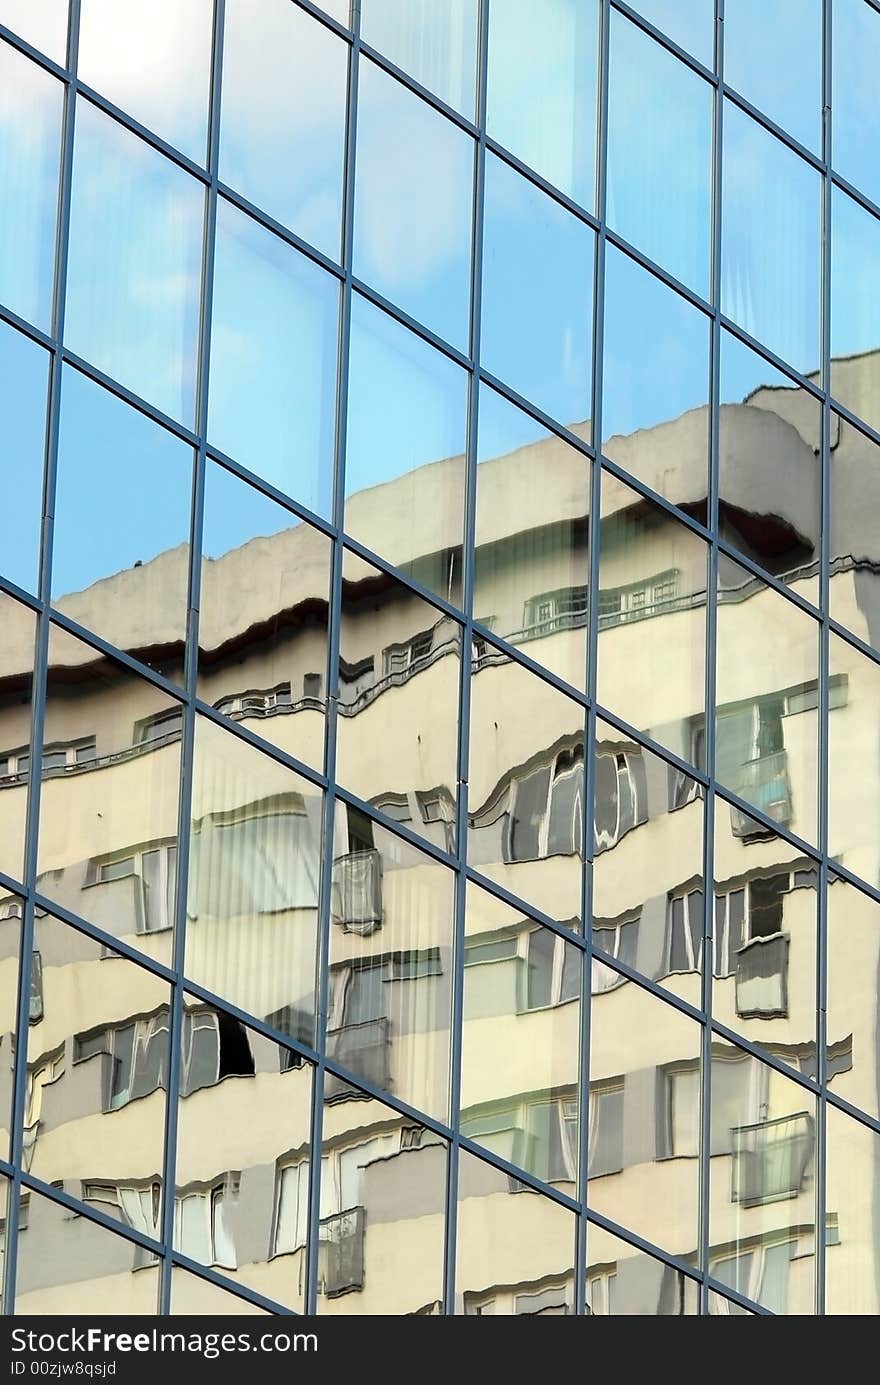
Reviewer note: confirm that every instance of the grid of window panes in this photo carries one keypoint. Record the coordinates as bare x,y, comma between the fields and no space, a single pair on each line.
440,481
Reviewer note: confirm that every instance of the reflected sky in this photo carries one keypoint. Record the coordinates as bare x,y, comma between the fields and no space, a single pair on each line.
24,381
782,73
436,43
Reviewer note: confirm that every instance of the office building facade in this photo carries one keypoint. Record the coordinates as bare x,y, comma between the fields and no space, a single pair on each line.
440,657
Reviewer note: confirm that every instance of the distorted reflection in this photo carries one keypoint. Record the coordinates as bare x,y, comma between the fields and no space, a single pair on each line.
129,583
390,965
652,620
769,471
397,722
647,869
382,1211
644,1117
404,452
655,388
242,1196
623,1281
109,796
764,938
512,1258
263,616
852,1252
521,1018
853,1009
767,699
11,916
67,1264
762,1212
526,802
19,632
532,542
853,786
252,891
97,1077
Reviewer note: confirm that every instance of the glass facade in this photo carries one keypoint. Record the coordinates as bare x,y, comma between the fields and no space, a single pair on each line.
514,368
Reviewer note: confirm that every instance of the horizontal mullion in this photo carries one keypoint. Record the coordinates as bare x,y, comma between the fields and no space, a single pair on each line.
265,747
453,353
118,656
232,1286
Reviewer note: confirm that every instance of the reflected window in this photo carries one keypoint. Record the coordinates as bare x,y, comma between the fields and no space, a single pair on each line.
292,1207
685,925
546,817
154,869
202,1224
619,939
553,970
621,795
261,858
137,1054
606,1129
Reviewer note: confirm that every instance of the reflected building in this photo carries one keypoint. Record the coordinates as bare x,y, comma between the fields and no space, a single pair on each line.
448,886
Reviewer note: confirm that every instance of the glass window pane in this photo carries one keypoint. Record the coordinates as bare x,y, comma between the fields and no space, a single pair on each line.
659,154
640,1115
273,359
121,535
851,1284
391,968
542,89
67,1264
852,1007
153,61
397,725
537,296
134,263
435,41
520,1045
526,746
383,1189
30,140
647,900
691,24
530,580
97,1076
855,477
242,1128
769,472
766,731
770,243
625,1282
764,946
282,128
263,613
120,803
11,915
193,1296
255,843
856,127
762,1199
24,383
43,24
855,283
17,662
853,787
652,598
512,1257
412,214
405,444
655,372
773,57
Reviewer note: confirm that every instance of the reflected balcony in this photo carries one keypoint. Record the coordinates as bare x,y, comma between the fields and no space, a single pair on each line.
770,1159
363,1049
357,892
762,978
341,1253
763,782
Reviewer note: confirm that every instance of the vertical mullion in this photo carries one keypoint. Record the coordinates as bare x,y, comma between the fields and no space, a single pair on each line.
465,662
334,632
191,664
705,1159
824,671
41,655
592,651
